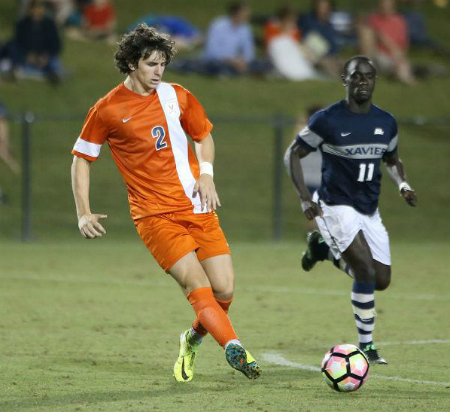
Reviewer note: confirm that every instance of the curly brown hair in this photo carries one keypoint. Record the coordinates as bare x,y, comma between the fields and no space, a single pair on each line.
141,43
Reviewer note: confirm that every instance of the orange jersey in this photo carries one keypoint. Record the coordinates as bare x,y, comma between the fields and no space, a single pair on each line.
146,136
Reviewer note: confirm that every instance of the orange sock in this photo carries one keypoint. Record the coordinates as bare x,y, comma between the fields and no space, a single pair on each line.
198,327
211,316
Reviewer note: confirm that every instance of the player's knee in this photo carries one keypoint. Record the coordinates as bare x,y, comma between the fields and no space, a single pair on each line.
365,273
383,282
224,292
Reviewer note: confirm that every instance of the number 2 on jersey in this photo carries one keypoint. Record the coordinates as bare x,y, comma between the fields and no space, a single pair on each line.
159,133
365,172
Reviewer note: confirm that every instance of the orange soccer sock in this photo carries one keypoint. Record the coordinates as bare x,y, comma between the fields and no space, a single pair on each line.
199,328
211,316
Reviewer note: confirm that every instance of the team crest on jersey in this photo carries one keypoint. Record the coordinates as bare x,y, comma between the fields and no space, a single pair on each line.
171,108
378,130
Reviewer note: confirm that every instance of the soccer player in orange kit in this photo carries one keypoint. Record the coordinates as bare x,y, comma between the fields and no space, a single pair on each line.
170,189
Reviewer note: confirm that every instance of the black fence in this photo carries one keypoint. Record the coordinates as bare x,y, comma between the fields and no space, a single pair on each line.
276,126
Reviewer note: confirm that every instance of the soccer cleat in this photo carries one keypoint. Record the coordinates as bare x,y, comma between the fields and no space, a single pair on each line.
241,360
315,251
372,355
183,370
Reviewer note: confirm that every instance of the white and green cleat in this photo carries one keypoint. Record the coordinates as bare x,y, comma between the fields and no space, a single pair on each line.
241,360
183,370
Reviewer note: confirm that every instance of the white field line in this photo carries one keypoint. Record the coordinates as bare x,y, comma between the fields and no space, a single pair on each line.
266,289
324,292
405,343
279,360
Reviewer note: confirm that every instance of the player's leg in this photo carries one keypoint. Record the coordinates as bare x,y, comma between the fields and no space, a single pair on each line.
219,270
191,277
359,257
383,275
221,277
321,243
214,254
173,247
378,240
318,250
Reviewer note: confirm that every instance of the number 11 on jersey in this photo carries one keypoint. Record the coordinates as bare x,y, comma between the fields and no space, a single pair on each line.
365,172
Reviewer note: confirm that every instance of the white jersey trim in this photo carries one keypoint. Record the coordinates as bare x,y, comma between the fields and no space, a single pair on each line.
393,144
179,143
359,151
309,137
87,148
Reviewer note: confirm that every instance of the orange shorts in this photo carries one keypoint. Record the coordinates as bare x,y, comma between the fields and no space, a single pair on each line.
170,236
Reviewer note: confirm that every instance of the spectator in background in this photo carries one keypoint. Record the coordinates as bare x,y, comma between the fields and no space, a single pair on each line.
229,48
283,24
282,39
100,20
60,10
185,35
229,44
319,37
37,44
5,152
384,38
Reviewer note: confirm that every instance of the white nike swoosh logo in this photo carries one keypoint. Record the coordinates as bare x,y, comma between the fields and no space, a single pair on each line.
126,120
345,134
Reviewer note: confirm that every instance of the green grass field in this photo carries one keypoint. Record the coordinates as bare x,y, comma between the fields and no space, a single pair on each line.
94,326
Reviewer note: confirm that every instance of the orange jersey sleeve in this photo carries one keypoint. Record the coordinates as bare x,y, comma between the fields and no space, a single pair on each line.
193,118
92,137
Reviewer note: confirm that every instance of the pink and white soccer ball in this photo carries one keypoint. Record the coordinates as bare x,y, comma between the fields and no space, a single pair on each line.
345,368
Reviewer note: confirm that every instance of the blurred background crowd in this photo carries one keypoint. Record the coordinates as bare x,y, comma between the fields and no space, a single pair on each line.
283,42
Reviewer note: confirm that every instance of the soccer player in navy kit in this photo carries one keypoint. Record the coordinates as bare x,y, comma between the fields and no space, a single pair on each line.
354,136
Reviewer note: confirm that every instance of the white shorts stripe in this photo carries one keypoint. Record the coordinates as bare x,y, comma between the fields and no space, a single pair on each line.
87,148
363,297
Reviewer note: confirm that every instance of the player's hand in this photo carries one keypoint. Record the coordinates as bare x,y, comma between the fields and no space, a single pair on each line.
410,196
311,209
205,187
90,226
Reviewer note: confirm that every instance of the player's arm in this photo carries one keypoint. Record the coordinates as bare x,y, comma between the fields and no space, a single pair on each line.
204,186
88,223
397,173
294,153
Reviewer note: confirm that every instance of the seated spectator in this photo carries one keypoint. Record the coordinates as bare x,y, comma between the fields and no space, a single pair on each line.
319,37
98,22
5,152
229,48
384,38
60,10
282,39
284,23
37,44
229,45
184,34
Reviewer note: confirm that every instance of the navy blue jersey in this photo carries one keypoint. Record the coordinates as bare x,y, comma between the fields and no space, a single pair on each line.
352,146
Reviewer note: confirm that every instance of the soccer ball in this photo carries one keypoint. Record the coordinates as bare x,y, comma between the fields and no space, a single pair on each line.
345,368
